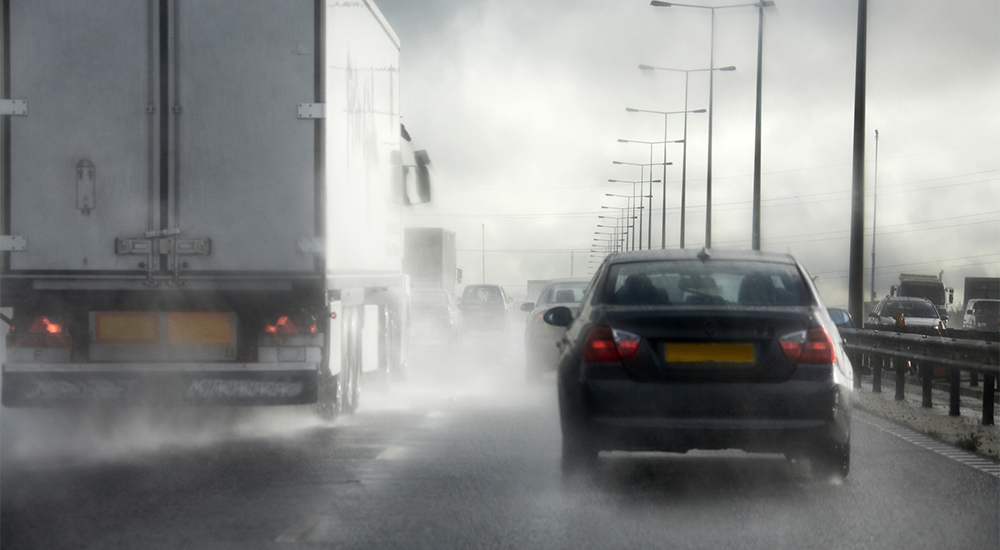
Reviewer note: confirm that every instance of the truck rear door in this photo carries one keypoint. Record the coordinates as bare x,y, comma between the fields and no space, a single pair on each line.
162,135
82,163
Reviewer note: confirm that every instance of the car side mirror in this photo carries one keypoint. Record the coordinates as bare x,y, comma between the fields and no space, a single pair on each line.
527,306
558,316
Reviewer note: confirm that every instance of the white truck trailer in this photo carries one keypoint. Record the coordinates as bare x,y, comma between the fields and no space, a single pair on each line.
201,201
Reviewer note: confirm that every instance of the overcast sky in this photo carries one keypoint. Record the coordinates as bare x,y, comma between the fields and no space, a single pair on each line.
520,105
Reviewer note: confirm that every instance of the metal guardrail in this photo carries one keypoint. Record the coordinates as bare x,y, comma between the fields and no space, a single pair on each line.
927,354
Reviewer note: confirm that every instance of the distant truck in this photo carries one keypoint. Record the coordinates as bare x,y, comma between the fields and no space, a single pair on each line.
981,288
201,202
535,287
925,286
429,258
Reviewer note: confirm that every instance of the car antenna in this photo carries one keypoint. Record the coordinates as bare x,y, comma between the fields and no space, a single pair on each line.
704,254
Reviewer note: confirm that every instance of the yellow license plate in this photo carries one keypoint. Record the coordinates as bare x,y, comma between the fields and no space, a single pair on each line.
681,352
200,329
125,327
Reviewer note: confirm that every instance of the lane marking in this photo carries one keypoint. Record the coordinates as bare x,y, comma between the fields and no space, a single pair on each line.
392,453
298,530
920,440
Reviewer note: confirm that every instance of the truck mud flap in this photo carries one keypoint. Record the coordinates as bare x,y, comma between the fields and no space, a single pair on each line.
221,388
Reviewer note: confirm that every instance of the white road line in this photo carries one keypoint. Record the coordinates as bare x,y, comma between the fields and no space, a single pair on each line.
300,529
906,434
392,453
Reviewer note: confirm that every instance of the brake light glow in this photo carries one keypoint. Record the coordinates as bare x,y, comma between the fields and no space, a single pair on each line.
814,346
41,333
606,344
285,325
626,342
42,325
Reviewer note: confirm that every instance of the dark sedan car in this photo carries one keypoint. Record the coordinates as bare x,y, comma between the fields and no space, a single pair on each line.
484,307
679,350
434,314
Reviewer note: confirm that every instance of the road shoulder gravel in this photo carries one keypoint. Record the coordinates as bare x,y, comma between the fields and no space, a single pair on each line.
965,431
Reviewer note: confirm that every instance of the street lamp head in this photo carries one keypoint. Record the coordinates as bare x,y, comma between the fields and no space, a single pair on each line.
646,67
766,4
616,162
631,110
700,111
623,141
659,4
729,68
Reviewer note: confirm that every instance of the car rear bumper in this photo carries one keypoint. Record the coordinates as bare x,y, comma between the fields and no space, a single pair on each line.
790,417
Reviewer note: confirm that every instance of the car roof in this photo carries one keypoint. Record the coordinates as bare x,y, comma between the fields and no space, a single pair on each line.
569,280
907,299
699,254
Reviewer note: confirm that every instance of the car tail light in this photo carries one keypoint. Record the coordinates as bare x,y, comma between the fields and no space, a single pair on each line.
814,346
606,344
626,342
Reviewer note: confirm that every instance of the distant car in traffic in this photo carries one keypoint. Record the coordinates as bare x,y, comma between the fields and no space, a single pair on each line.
841,317
484,307
434,314
674,350
540,338
983,315
915,312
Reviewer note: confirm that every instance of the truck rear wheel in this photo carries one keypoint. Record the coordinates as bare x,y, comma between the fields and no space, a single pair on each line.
326,398
349,389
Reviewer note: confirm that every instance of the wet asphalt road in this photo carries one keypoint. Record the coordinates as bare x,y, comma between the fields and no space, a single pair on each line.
462,454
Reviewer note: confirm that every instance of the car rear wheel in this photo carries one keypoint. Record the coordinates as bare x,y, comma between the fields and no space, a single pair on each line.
834,460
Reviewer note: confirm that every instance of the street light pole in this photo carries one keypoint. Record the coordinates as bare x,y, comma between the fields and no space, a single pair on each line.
711,86
755,224
874,214
666,114
663,221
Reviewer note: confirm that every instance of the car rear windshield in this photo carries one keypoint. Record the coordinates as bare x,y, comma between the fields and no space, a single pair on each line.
563,293
482,295
987,308
718,282
910,309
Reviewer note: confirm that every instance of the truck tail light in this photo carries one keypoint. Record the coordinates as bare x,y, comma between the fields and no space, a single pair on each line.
812,346
289,325
42,333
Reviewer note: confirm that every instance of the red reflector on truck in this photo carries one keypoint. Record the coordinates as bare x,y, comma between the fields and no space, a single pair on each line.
126,327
